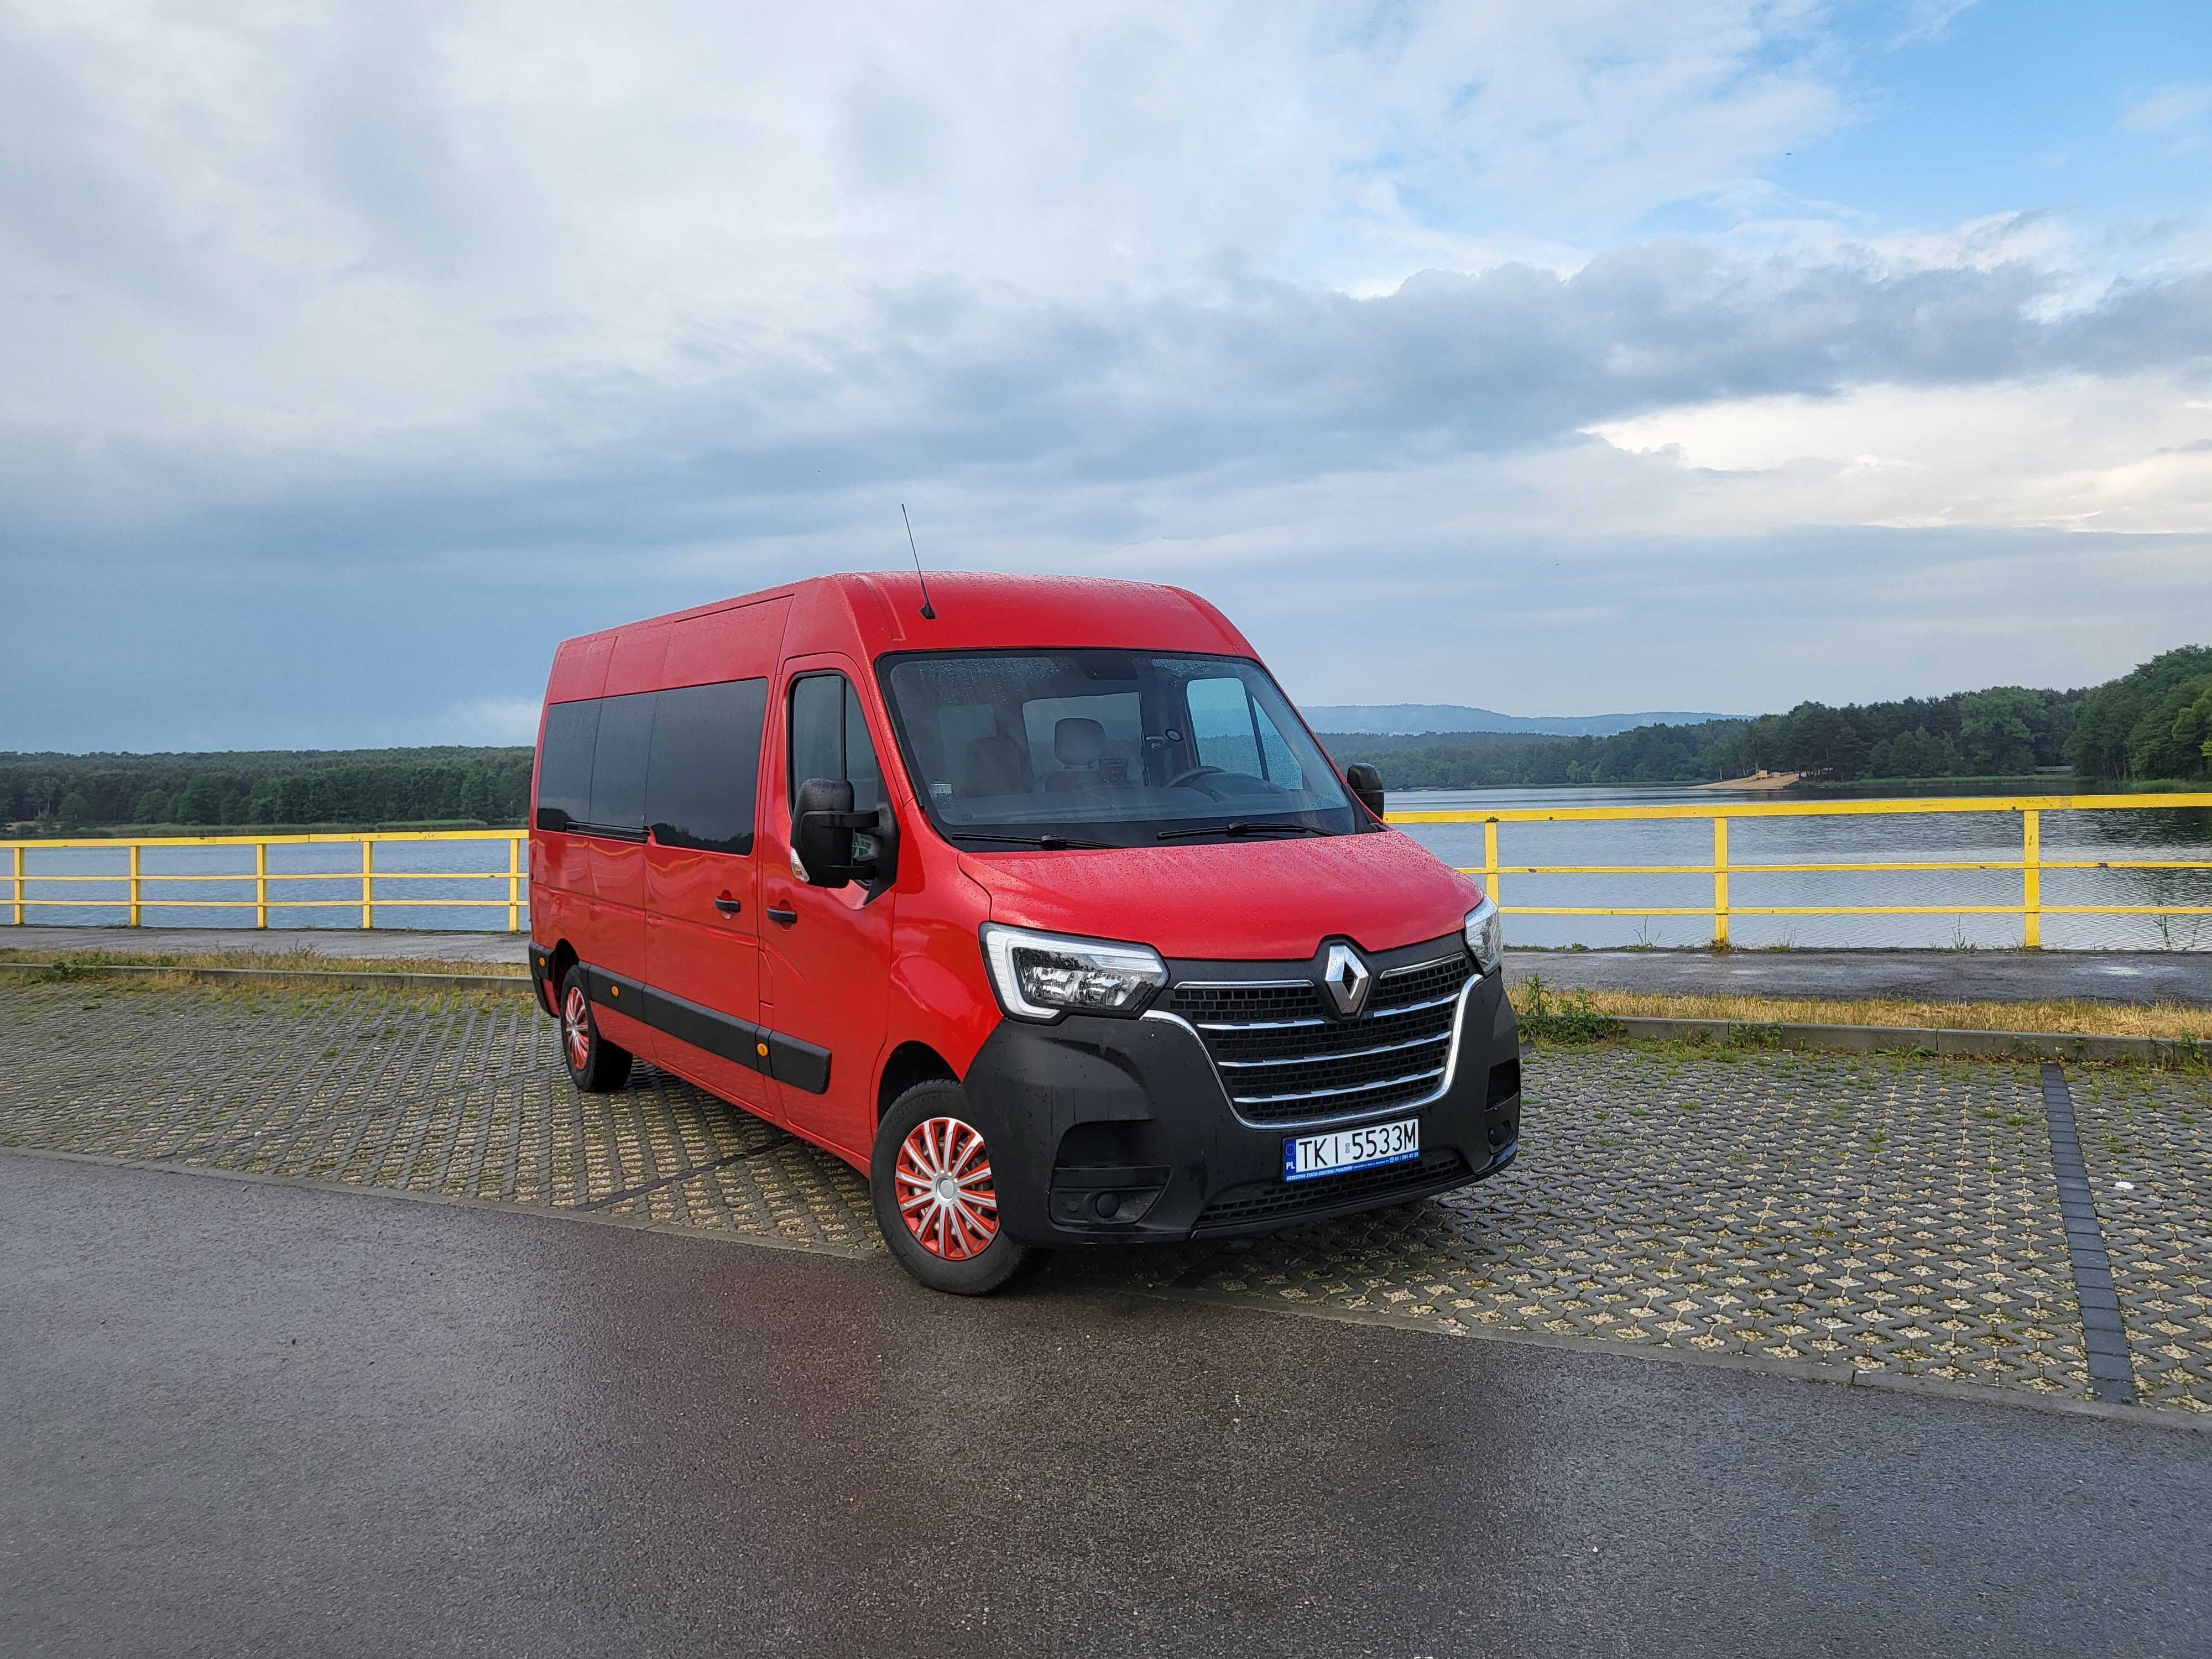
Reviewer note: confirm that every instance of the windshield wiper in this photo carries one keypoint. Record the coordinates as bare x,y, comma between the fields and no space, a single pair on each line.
1050,842
1240,828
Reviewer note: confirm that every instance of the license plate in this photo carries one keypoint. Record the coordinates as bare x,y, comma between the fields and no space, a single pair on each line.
1305,1156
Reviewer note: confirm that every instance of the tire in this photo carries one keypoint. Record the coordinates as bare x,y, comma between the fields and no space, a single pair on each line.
956,1246
596,1065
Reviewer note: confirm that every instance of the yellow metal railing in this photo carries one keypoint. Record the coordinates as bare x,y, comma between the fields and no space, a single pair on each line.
2031,863
507,886
510,885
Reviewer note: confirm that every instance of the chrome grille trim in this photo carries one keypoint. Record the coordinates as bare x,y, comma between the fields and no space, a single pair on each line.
1419,967
1255,1024
1342,1053
1443,1083
1353,1089
1412,1007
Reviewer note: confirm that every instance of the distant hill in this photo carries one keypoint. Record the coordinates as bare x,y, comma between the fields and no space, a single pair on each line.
1407,718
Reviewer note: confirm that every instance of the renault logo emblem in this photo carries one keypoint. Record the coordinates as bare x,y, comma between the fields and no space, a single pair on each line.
1347,979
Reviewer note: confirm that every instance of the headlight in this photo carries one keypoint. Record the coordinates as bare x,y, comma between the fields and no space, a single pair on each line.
1485,936
1042,975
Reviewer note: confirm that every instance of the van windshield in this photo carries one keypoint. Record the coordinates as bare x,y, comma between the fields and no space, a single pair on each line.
1107,748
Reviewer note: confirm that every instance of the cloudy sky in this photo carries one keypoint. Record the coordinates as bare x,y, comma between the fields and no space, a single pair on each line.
1557,358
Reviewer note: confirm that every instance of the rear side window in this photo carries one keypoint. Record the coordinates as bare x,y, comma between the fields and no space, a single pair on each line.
619,762
829,738
702,786
564,761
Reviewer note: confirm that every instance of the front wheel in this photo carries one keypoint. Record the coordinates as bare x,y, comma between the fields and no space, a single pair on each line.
936,1196
595,1066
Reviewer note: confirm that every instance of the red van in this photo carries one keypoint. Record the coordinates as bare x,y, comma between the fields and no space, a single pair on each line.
1038,904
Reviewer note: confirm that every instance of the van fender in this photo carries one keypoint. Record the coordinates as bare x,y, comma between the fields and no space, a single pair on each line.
931,1003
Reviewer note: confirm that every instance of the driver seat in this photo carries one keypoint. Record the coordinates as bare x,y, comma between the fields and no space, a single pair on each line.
1079,744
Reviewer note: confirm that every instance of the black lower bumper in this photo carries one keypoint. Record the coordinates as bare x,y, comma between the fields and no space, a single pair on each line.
1119,1129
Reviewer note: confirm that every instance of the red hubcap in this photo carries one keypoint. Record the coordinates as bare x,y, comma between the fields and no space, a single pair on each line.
576,1027
943,1180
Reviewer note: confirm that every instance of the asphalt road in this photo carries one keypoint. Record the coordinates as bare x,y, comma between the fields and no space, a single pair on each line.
250,1417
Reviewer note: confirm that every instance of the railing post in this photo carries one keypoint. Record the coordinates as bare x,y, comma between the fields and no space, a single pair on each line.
2031,880
133,884
514,884
367,882
19,885
1490,862
1719,882
261,883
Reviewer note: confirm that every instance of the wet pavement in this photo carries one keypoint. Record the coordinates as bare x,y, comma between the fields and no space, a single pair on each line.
1977,975
1884,1216
254,1416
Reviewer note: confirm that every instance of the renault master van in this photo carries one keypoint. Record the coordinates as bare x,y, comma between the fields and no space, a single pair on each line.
1034,900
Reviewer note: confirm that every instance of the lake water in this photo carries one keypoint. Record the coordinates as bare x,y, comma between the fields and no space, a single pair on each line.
2174,834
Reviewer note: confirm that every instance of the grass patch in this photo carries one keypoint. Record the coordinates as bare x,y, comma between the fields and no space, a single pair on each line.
297,962
2173,1021
1572,1018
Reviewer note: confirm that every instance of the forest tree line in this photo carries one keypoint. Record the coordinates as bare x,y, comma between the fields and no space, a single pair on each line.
357,788
2152,725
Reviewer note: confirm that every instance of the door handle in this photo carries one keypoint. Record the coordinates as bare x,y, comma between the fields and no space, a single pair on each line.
729,907
777,913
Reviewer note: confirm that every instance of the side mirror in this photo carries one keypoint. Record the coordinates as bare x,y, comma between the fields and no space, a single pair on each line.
824,831
1366,783
553,817
822,824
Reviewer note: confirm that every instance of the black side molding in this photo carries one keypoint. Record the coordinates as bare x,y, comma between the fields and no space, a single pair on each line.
541,978
801,1065
786,1059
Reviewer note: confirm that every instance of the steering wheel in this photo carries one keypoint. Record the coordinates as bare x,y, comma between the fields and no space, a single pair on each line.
1193,775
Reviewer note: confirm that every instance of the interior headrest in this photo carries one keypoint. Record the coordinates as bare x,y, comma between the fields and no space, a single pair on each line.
1079,742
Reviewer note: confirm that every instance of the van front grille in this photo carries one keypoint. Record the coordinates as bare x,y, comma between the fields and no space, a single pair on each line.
1283,1059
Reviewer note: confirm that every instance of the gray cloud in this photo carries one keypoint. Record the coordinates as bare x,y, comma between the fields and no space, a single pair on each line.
359,355
1276,383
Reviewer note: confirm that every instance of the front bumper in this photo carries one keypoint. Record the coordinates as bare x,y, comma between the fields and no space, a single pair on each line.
1105,1129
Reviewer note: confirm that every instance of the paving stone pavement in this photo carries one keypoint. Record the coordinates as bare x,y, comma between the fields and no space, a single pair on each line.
1893,1213
2153,1131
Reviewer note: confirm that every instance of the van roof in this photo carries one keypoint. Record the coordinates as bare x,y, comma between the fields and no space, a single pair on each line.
975,610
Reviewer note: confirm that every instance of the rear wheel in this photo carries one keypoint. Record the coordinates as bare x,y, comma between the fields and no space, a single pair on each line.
595,1066
936,1195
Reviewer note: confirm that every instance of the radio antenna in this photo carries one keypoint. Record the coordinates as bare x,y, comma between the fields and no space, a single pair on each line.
927,614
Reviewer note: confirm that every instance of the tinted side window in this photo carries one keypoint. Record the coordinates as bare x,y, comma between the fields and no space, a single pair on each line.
829,738
564,764
619,759
700,789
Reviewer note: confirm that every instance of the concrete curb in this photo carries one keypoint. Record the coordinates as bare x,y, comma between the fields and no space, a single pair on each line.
348,979
1804,1370
1874,1039
458,1200
1740,1033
